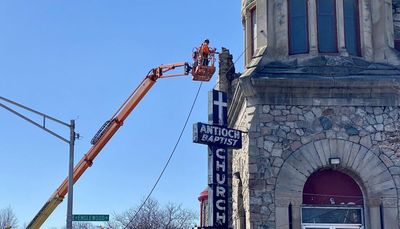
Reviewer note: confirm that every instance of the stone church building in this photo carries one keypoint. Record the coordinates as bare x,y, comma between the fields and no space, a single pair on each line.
318,103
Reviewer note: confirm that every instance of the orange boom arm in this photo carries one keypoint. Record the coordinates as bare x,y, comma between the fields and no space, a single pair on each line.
104,135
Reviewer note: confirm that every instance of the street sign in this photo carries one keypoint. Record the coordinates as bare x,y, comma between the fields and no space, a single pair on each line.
90,217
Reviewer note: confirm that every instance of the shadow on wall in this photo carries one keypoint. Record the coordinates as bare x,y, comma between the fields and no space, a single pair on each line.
397,44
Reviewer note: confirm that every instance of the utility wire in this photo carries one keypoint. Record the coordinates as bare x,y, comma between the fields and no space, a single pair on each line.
176,145
169,159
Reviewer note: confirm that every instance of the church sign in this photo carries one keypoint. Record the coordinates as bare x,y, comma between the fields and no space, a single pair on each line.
219,187
217,135
219,138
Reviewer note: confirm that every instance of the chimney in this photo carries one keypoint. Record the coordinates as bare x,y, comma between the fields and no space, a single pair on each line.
226,70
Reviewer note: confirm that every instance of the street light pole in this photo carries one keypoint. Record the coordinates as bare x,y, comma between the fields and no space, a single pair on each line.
71,174
71,143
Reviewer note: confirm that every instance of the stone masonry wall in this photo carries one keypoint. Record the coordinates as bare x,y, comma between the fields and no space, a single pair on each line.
276,131
240,163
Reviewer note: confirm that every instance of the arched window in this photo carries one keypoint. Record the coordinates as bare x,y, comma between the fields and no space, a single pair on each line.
351,27
298,29
330,187
332,200
326,22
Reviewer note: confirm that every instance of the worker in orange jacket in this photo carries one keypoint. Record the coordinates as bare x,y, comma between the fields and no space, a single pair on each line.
205,52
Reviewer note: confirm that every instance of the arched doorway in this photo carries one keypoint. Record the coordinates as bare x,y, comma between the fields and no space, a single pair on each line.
332,200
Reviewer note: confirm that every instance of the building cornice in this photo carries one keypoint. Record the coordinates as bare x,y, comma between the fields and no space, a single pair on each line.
354,83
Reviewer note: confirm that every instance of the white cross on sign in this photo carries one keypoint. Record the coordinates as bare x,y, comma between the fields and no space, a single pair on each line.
221,104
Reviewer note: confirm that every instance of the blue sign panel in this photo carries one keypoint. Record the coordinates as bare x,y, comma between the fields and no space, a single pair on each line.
217,135
218,167
218,108
219,186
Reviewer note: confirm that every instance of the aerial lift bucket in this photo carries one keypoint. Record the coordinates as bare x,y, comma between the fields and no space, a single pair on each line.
201,72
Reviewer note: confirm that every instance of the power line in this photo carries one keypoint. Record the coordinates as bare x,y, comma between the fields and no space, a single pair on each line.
176,144
169,159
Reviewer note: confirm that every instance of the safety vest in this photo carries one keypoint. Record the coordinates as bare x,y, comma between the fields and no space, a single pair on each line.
204,49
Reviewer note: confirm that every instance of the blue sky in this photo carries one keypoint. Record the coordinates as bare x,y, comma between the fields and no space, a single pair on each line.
80,60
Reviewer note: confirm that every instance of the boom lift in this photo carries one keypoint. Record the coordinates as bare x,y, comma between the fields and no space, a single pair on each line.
110,127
